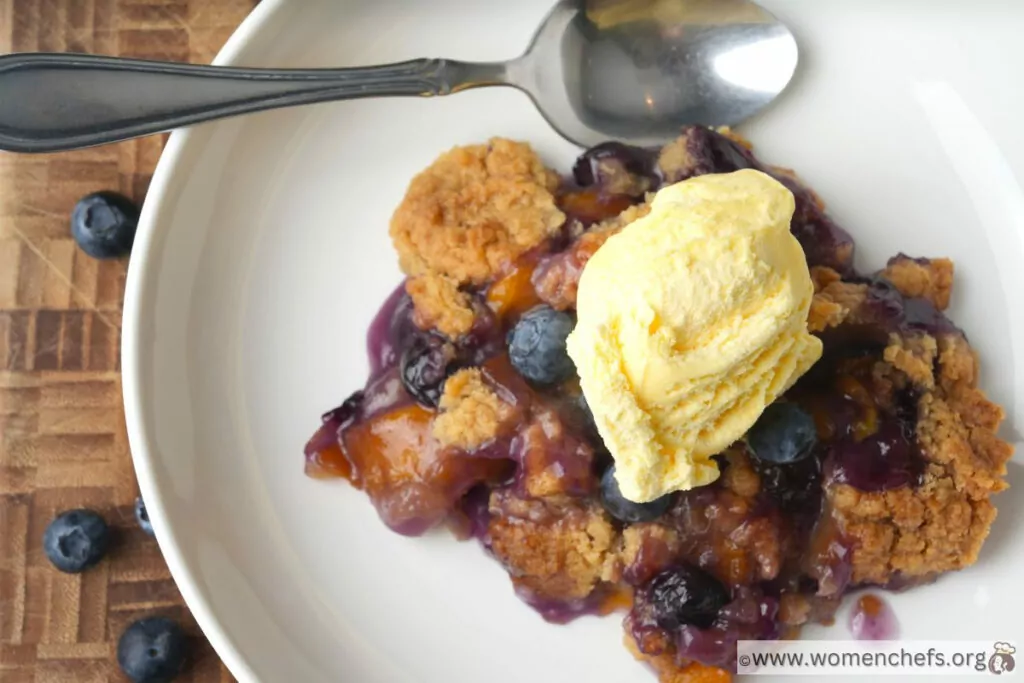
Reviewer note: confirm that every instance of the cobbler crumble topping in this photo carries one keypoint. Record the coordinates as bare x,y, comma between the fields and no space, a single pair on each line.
440,305
471,412
475,210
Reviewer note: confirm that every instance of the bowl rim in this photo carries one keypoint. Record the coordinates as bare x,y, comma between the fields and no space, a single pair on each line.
135,320
171,172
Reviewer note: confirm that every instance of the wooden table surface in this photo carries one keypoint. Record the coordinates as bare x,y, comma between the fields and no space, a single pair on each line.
62,431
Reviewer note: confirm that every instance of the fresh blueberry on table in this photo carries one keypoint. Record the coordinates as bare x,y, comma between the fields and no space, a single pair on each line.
626,510
142,516
784,434
536,346
103,224
76,540
152,650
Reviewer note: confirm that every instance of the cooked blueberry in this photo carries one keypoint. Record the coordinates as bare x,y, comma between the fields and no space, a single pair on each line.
617,168
783,434
152,650
888,459
104,224
536,346
795,486
684,595
424,367
142,517
888,311
76,540
626,510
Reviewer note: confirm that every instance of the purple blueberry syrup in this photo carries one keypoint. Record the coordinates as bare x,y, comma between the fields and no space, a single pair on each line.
384,393
475,508
562,611
830,563
885,460
388,331
873,619
750,616
893,312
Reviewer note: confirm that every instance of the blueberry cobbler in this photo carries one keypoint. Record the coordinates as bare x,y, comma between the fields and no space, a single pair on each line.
862,451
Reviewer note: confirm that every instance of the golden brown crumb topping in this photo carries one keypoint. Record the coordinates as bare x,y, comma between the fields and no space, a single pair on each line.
822,277
675,158
914,357
440,305
644,538
474,211
471,412
931,279
823,314
916,532
740,476
834,300
554,553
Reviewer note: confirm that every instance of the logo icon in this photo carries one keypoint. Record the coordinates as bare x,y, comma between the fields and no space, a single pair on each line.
1002,660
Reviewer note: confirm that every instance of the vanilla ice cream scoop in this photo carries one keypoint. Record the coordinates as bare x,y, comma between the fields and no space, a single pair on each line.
690,321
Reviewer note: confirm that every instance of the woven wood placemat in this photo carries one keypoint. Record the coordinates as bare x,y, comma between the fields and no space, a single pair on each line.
62,431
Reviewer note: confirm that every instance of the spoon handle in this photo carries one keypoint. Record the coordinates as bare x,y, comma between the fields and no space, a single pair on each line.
57,102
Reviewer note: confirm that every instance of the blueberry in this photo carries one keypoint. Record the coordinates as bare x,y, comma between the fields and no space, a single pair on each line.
424,368
104,224
684,595
888,459
536,346
795,486
152,650
76,540
626,510
142,517
607,163
783,434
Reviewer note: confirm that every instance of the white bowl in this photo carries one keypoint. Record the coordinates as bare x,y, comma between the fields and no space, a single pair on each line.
263,253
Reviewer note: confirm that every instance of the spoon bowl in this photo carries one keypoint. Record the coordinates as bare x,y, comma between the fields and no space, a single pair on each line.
634,71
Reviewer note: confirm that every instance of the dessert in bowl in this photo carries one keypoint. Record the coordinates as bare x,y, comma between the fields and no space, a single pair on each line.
861,453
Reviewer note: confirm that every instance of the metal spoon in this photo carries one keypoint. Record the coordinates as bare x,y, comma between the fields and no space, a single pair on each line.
628,70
